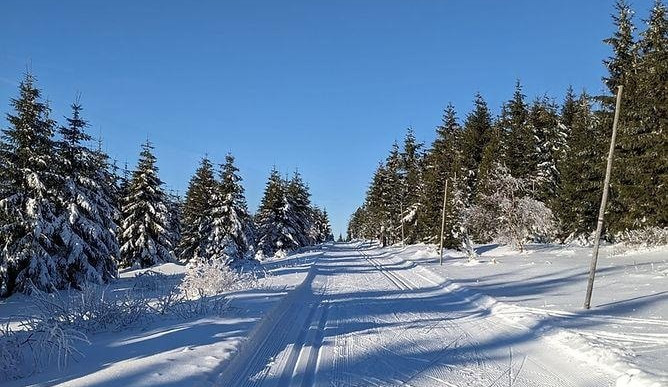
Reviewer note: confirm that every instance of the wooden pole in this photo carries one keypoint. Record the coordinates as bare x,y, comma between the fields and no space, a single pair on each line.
402,225
445,198
604,200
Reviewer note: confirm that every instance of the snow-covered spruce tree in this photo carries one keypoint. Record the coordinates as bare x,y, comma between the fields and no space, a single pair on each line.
145,232
232,233
300,214
326,228
640,175
442,162
377,217
219,249
275,231
357,225
653,87
321,231
550,139
505,211
411,188
387,201
196,213
519,140
461,219
27,202
475,137
174,210
581,173
85,227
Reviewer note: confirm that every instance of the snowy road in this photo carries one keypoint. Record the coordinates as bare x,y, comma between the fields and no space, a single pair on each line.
363,317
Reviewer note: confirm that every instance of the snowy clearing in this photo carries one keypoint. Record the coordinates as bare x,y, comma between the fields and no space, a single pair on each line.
357,314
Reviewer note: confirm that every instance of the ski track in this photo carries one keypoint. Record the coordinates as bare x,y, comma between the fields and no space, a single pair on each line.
364,318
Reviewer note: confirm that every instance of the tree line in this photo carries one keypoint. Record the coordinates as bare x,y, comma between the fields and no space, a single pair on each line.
69,216
535,172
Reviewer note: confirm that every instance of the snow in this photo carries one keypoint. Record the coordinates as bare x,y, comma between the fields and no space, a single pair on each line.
543,288
172,351
356,314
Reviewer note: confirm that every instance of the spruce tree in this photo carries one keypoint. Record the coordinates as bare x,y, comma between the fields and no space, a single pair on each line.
145,230
624,50
641,169
581,172
174,211
86,227
411,188
28,206
442,162
275,228
231,214
321,230
475,136
518,137
300,214
376,215
391,188
550,142
196,213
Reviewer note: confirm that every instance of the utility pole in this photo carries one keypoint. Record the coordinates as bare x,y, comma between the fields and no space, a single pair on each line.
445,198
402,224
604,200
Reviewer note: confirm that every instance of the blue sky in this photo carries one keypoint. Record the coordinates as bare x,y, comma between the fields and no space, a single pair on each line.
322,86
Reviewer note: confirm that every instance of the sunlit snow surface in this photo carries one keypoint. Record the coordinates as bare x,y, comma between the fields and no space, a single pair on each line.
355,314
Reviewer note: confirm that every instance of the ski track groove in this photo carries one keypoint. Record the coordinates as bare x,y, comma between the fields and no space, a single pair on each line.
360,341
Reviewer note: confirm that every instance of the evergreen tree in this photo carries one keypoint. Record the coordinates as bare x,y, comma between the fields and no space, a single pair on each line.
624,55
442,162
391,188
145,238
196,212
321,230
491,153
520,148
475,136
641,170
219,247
579,193
326,228
550,141
174,210
383,204
86,226
568,111
300,216
275,229
411,188
27,203
234,220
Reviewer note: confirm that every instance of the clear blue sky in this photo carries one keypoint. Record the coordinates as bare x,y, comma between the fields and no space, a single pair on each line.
323,86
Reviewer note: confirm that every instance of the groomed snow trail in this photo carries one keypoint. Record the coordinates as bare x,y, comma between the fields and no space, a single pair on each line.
367,318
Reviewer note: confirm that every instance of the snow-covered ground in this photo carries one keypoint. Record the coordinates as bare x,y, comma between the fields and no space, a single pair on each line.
356,314
543,288
173,351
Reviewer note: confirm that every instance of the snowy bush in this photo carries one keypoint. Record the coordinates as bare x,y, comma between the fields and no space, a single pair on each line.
205,279
149,280
11,353
49,336
92,309
40,341
507,213
644,237
52,340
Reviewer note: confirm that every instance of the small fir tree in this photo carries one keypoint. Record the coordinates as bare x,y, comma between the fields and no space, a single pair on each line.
145,229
